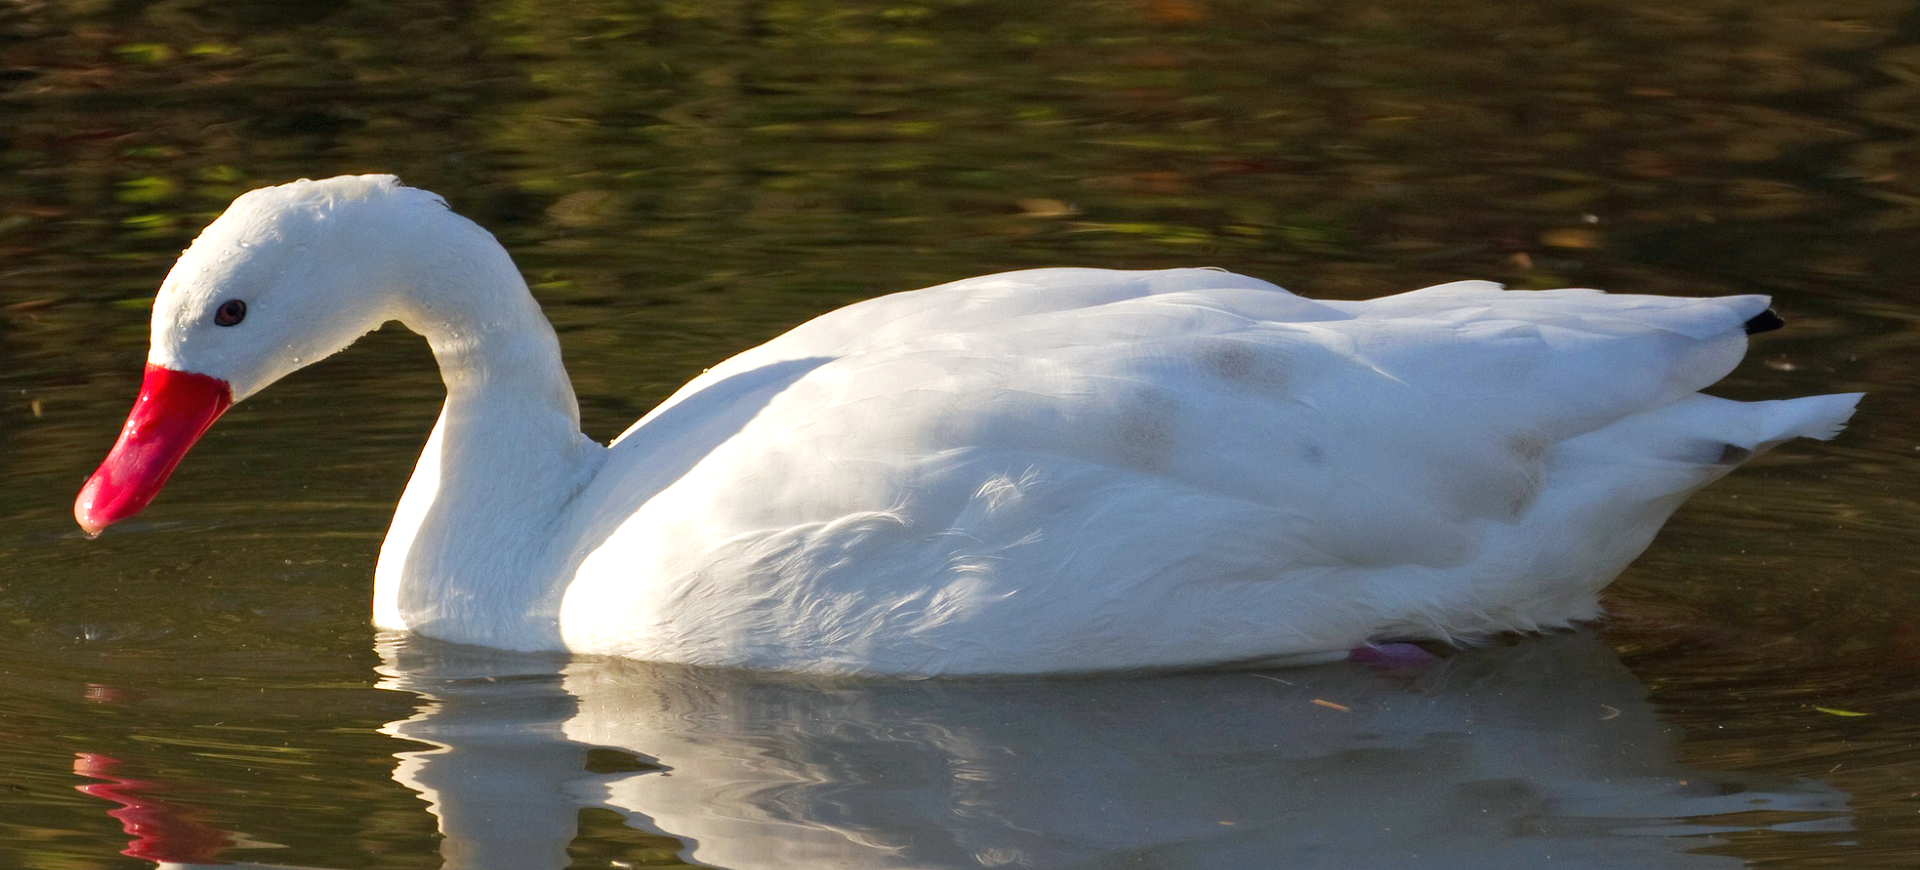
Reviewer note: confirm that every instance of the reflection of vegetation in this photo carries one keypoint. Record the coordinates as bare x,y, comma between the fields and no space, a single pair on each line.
878,139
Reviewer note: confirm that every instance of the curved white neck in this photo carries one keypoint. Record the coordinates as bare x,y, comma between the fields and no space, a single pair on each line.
467,558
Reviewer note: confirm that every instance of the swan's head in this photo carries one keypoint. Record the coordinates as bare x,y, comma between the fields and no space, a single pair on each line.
287,276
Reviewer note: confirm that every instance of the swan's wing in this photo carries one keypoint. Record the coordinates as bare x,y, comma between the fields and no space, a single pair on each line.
1388,427
1589,356
1210,462
956,313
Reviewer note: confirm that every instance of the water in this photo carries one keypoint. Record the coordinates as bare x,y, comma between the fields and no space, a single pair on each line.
680,181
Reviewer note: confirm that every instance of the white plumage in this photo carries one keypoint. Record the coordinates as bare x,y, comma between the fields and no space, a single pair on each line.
1053,470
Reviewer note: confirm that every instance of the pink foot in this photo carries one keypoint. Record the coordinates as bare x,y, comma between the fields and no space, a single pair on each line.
1392,656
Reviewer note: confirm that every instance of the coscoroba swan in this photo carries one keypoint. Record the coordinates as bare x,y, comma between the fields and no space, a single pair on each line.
1054,470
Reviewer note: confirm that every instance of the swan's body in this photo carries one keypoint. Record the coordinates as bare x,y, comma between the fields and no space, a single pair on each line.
1056,470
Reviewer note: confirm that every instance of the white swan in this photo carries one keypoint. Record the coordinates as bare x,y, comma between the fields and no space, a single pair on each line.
1055,470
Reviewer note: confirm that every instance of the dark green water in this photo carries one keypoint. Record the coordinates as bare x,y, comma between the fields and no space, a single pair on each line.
680,181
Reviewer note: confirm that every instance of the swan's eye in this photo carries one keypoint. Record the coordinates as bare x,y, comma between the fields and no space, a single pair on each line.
230,312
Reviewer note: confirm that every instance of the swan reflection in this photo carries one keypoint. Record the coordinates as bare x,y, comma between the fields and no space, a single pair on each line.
1508,757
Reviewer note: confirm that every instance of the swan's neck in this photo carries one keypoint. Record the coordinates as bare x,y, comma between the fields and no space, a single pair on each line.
470,556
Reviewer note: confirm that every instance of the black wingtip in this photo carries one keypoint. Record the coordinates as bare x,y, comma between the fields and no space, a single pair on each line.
1765,321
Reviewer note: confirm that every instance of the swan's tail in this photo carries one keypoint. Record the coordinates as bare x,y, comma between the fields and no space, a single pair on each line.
1820,417
1686,445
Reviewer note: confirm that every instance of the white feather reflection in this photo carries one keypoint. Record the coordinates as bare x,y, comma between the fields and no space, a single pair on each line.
1508,757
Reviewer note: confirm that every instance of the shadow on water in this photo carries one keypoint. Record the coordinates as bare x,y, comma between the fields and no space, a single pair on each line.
1499,758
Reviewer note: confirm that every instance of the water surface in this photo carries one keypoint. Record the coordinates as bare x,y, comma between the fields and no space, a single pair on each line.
681,181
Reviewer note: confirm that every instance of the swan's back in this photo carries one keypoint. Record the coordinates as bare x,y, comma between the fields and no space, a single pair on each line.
1082,469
